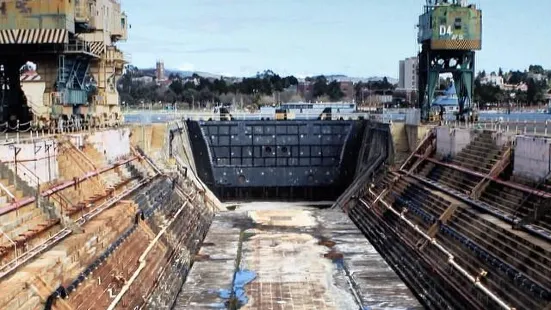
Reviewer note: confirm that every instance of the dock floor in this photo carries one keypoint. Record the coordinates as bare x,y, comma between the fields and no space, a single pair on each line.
290,257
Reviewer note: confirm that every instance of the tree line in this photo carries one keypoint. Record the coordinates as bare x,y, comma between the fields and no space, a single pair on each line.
536,79
268,87
134,91
264,88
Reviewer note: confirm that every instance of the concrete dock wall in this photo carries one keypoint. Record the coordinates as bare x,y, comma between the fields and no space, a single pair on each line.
405,138
532,157
113,143
38,157
450,141
400,138
153,139
377,149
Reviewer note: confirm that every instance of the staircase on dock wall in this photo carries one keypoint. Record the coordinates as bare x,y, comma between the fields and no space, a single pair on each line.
23,189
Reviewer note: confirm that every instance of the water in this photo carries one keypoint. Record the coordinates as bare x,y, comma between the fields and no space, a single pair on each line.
242,278
486,116
152,117
148,117
514,116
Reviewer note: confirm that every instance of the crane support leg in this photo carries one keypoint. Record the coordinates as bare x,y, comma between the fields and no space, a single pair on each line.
432,63
13,104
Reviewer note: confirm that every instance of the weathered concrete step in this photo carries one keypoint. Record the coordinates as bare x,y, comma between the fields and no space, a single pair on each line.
475,165
511,195
478,156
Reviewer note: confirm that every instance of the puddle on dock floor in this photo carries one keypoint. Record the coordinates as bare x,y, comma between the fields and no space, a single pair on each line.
290,257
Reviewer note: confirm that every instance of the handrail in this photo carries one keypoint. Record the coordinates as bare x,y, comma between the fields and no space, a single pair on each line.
451,261
498,167
86,159
142,259
428,151
74,157
515,213
428,136
77,160
495,179
7,191
56,188
205,116
64,202
144,156
12,242
56,238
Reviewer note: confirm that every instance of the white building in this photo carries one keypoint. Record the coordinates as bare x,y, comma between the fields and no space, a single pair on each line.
492,79
537,76
408,73
143,79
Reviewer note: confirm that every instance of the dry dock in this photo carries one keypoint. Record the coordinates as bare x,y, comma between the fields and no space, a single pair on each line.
290,256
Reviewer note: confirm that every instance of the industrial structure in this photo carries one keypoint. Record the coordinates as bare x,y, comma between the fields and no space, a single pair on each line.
73,45
449,33
288,159
131,218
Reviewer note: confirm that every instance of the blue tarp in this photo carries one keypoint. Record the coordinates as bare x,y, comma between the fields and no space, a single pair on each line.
242,278
448,99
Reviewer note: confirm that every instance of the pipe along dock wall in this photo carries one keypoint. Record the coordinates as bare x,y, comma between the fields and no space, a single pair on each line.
465,224
98,229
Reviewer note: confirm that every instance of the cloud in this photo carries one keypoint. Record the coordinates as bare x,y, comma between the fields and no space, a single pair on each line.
302,75
210,27
186,67
224,50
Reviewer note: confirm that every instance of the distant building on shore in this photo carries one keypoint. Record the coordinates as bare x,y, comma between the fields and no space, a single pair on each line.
408,73
492,79
160,71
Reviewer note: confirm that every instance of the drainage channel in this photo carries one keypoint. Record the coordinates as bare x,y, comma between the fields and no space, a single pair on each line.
236,296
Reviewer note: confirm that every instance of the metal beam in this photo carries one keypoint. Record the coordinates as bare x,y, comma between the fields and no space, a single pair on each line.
495,179
496,170
64,185
58,237
443,219
451,260
431,135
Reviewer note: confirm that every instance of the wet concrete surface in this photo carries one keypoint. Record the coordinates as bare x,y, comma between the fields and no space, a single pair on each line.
302,258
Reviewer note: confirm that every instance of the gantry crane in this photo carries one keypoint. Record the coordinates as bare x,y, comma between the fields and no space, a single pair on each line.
450,31
72,43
